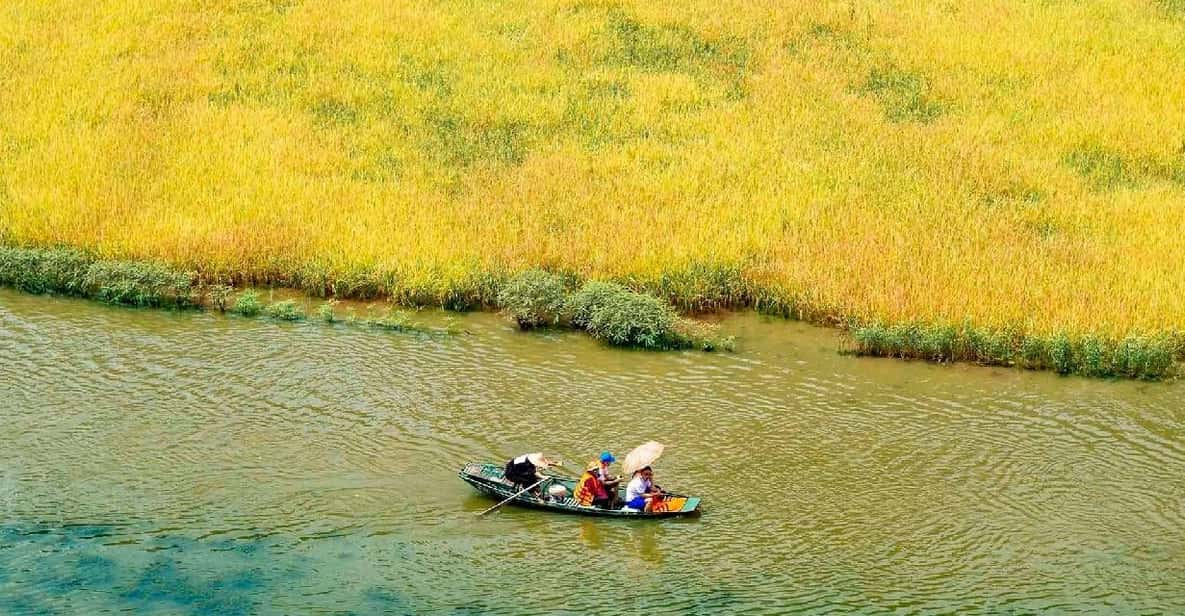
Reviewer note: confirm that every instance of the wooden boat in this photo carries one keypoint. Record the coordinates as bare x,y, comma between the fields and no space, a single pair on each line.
489,480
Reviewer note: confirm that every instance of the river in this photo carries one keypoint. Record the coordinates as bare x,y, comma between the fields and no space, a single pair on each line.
196,463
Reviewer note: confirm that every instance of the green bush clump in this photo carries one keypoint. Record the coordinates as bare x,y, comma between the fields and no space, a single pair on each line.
937,343
248,303
325,311
872,339
592,297
1034,353
617,315
285,310
58,270
393,319
607,311
139,284
474,290
534,298
1145,357
990,347
906,340
1061,354
1140,357
1092,357
73,272
699,335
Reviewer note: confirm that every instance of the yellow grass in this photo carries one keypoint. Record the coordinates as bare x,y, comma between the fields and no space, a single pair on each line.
1013,163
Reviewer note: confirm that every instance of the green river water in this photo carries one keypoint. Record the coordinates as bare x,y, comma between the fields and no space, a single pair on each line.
175,463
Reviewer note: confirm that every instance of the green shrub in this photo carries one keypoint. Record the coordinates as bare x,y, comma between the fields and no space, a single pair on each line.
1136,357
1092,357
285,310
325,311
613,313
248,303
394,320
1106,168
1061,354
534,298
590,298
1034,353
687,333
905,95
937,343
362,284
991,347
139,284
1143,357
870,339
73,272
476,289
58,270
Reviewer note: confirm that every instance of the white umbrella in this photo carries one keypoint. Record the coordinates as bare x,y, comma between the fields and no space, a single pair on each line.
642,456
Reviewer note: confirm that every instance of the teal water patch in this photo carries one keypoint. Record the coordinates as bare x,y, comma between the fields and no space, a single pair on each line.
68,569
81,569
93,568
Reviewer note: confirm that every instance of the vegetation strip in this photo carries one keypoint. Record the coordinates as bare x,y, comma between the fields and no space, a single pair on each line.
608,311
1143,357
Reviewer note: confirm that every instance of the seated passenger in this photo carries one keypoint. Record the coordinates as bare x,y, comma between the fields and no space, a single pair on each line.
641,492
590,491
608,480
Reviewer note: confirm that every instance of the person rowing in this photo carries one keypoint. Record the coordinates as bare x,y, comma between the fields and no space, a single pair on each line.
527,471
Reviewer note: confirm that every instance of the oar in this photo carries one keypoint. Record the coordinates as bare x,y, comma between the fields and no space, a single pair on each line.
514,496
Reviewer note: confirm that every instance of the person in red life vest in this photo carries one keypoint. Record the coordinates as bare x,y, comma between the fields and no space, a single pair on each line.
590,492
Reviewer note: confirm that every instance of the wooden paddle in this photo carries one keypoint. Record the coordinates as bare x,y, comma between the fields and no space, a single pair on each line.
514,496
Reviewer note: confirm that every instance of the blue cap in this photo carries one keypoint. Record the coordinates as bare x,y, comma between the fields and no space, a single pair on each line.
607,457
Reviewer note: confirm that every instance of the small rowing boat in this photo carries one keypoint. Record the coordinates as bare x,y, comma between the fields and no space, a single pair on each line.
489,480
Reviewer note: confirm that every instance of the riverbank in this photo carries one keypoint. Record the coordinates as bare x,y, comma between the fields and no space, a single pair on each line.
611,312
608,312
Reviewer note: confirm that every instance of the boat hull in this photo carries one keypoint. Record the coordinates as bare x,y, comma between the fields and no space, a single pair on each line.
489,480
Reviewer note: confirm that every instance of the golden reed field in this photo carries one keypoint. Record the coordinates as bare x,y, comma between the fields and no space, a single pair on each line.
1009,164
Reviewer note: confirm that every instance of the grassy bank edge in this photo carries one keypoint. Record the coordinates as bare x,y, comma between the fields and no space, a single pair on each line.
606,311
630,311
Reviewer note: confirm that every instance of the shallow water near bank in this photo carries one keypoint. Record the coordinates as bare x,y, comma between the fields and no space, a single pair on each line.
192,462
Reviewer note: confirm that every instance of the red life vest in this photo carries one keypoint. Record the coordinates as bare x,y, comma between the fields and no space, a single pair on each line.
589,488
